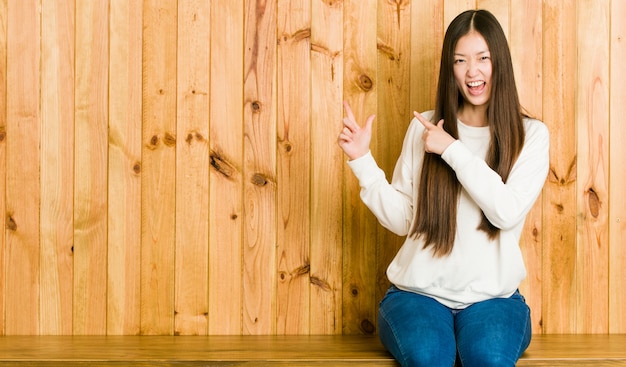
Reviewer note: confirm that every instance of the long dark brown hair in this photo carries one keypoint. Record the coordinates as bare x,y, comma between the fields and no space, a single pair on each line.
436,212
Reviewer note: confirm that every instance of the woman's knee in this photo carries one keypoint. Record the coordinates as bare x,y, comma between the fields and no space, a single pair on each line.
416,331
493,333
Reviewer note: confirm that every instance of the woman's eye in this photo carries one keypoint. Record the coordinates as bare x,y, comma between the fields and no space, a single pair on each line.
458,61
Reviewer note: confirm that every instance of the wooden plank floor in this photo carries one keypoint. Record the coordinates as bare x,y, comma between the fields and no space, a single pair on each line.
552,350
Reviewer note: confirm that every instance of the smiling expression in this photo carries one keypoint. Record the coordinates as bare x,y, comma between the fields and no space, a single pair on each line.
472,69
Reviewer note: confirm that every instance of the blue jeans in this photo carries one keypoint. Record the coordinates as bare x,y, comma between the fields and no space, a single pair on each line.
419,331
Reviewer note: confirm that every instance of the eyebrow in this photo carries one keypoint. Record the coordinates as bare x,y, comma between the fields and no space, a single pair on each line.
478,53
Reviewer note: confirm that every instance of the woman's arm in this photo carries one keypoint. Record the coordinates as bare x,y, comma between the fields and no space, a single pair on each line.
504,204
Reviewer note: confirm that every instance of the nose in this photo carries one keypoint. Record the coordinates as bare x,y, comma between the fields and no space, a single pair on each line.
472,68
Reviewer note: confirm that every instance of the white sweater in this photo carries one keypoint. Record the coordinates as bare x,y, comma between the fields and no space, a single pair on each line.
477,269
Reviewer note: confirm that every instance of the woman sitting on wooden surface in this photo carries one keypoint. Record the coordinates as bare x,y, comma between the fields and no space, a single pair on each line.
468,174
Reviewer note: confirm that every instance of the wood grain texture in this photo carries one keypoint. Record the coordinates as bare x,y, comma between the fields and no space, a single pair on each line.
226,159
171,166
327,164
592,118
617,177
395,112
427,31
23,134
260,183
3,153
559,246
90,178
57,168
192,169
332,350
526,43
158,173
198,351
452,8
359,225
293,166
124,171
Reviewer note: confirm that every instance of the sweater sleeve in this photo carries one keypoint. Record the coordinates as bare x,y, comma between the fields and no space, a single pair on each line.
391,203
504,204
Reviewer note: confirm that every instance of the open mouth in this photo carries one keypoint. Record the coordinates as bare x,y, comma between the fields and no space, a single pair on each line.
476,88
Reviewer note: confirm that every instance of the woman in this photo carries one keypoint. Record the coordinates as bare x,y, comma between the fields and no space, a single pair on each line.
468,174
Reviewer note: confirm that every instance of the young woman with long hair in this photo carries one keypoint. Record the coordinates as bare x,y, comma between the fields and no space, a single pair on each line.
468,174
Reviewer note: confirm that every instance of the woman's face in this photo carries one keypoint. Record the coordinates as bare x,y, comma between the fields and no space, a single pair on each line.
472,69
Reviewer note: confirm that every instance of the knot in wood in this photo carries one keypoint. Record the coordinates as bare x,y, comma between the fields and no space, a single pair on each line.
169,140
221,165
137,167
256,106
368,327
194,135
559,207
594,202
320,283
154,142
11,225
259,179
365,82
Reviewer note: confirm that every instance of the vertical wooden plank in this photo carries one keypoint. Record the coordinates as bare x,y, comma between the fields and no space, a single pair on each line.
394,113
327,162
452,8
90,180
293,166
259,235
226,159
57,167
158,204
360,226
559,211
617,198
124,169
22,167
427,31
526,45
3,155
592,116
192,169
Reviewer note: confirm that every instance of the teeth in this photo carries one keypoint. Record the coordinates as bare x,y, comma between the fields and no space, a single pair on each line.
474,84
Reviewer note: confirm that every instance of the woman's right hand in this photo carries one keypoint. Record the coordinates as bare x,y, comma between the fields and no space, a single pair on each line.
354,139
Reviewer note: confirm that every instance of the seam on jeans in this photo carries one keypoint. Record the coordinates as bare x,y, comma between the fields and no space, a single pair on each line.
458,351
383,313
527,320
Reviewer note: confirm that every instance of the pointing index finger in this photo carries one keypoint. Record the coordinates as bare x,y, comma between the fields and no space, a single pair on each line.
349,113
427,124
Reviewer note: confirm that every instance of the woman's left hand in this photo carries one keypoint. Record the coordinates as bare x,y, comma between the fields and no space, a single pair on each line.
436,139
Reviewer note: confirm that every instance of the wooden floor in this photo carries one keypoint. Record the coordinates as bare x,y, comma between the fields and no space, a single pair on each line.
553,351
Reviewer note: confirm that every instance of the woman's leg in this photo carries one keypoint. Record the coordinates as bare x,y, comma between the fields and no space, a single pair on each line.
494,332
416,329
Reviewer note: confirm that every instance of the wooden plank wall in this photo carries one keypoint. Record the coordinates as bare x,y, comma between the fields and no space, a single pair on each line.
170,166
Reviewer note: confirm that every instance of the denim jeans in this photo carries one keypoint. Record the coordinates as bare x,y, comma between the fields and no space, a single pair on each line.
419,331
